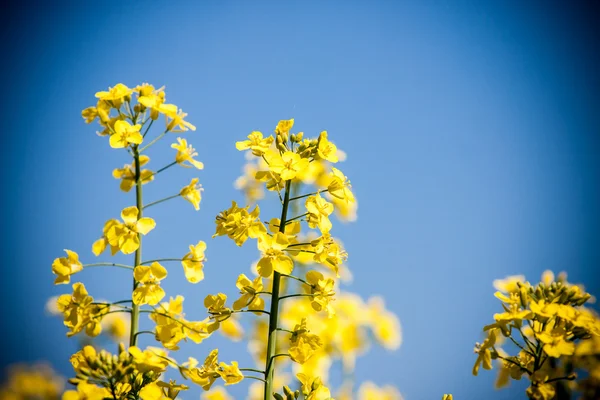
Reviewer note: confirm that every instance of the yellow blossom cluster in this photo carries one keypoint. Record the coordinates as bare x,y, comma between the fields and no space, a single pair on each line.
286,298
546,325
37,381
322,325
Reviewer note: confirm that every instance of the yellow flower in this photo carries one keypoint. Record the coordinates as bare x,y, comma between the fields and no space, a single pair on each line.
186,153
509,284
148,290
484,356
339,186
151,359
115,94
152,392
284,126
345,211
176,123
291,228
248,290
79,312
273,257
513,314
370,391
172,327
192,193
543,309
125,236
193,262
125,134
303,344
215,305
256,143
89,114
100,245
231,329
273,181
318,213
544,391
328,252
238,224
251,186
325,149
206,375
151,98
231,374
556,343
127,174
86,391
117,326
385,324
287,165
322,291
172,388
37,381
313,388
64,267
216,393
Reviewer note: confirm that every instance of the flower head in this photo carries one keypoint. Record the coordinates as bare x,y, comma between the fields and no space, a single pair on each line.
125,235
148,290
186,153
125,134
192,193
64,267
193,262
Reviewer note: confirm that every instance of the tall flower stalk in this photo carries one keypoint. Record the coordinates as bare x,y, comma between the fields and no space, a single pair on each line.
299,299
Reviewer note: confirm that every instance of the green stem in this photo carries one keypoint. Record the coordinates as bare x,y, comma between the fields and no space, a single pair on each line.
274,312
148,128
297,217
161,200
107,265
253,370
135,310
306,195
567,378
297,295
142,332
296,278
256,378
159,171
156,139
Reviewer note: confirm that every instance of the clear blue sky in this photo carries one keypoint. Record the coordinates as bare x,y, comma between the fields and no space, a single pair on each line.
471,129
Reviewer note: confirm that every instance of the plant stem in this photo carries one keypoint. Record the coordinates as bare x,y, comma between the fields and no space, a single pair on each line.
156,139
160,260
297,295
135,310
298,279
160,170
274,312
306,195
252,370
160,201
148,128
107,265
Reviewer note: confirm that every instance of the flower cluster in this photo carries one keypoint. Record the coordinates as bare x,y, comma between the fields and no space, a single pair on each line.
551,331
300,317
321,325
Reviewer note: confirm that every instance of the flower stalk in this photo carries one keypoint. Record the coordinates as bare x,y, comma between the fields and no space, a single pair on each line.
274,311
135,311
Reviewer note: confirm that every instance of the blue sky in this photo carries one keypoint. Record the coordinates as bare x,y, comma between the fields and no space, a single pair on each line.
471,131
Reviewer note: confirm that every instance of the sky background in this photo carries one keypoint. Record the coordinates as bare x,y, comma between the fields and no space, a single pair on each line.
471,128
